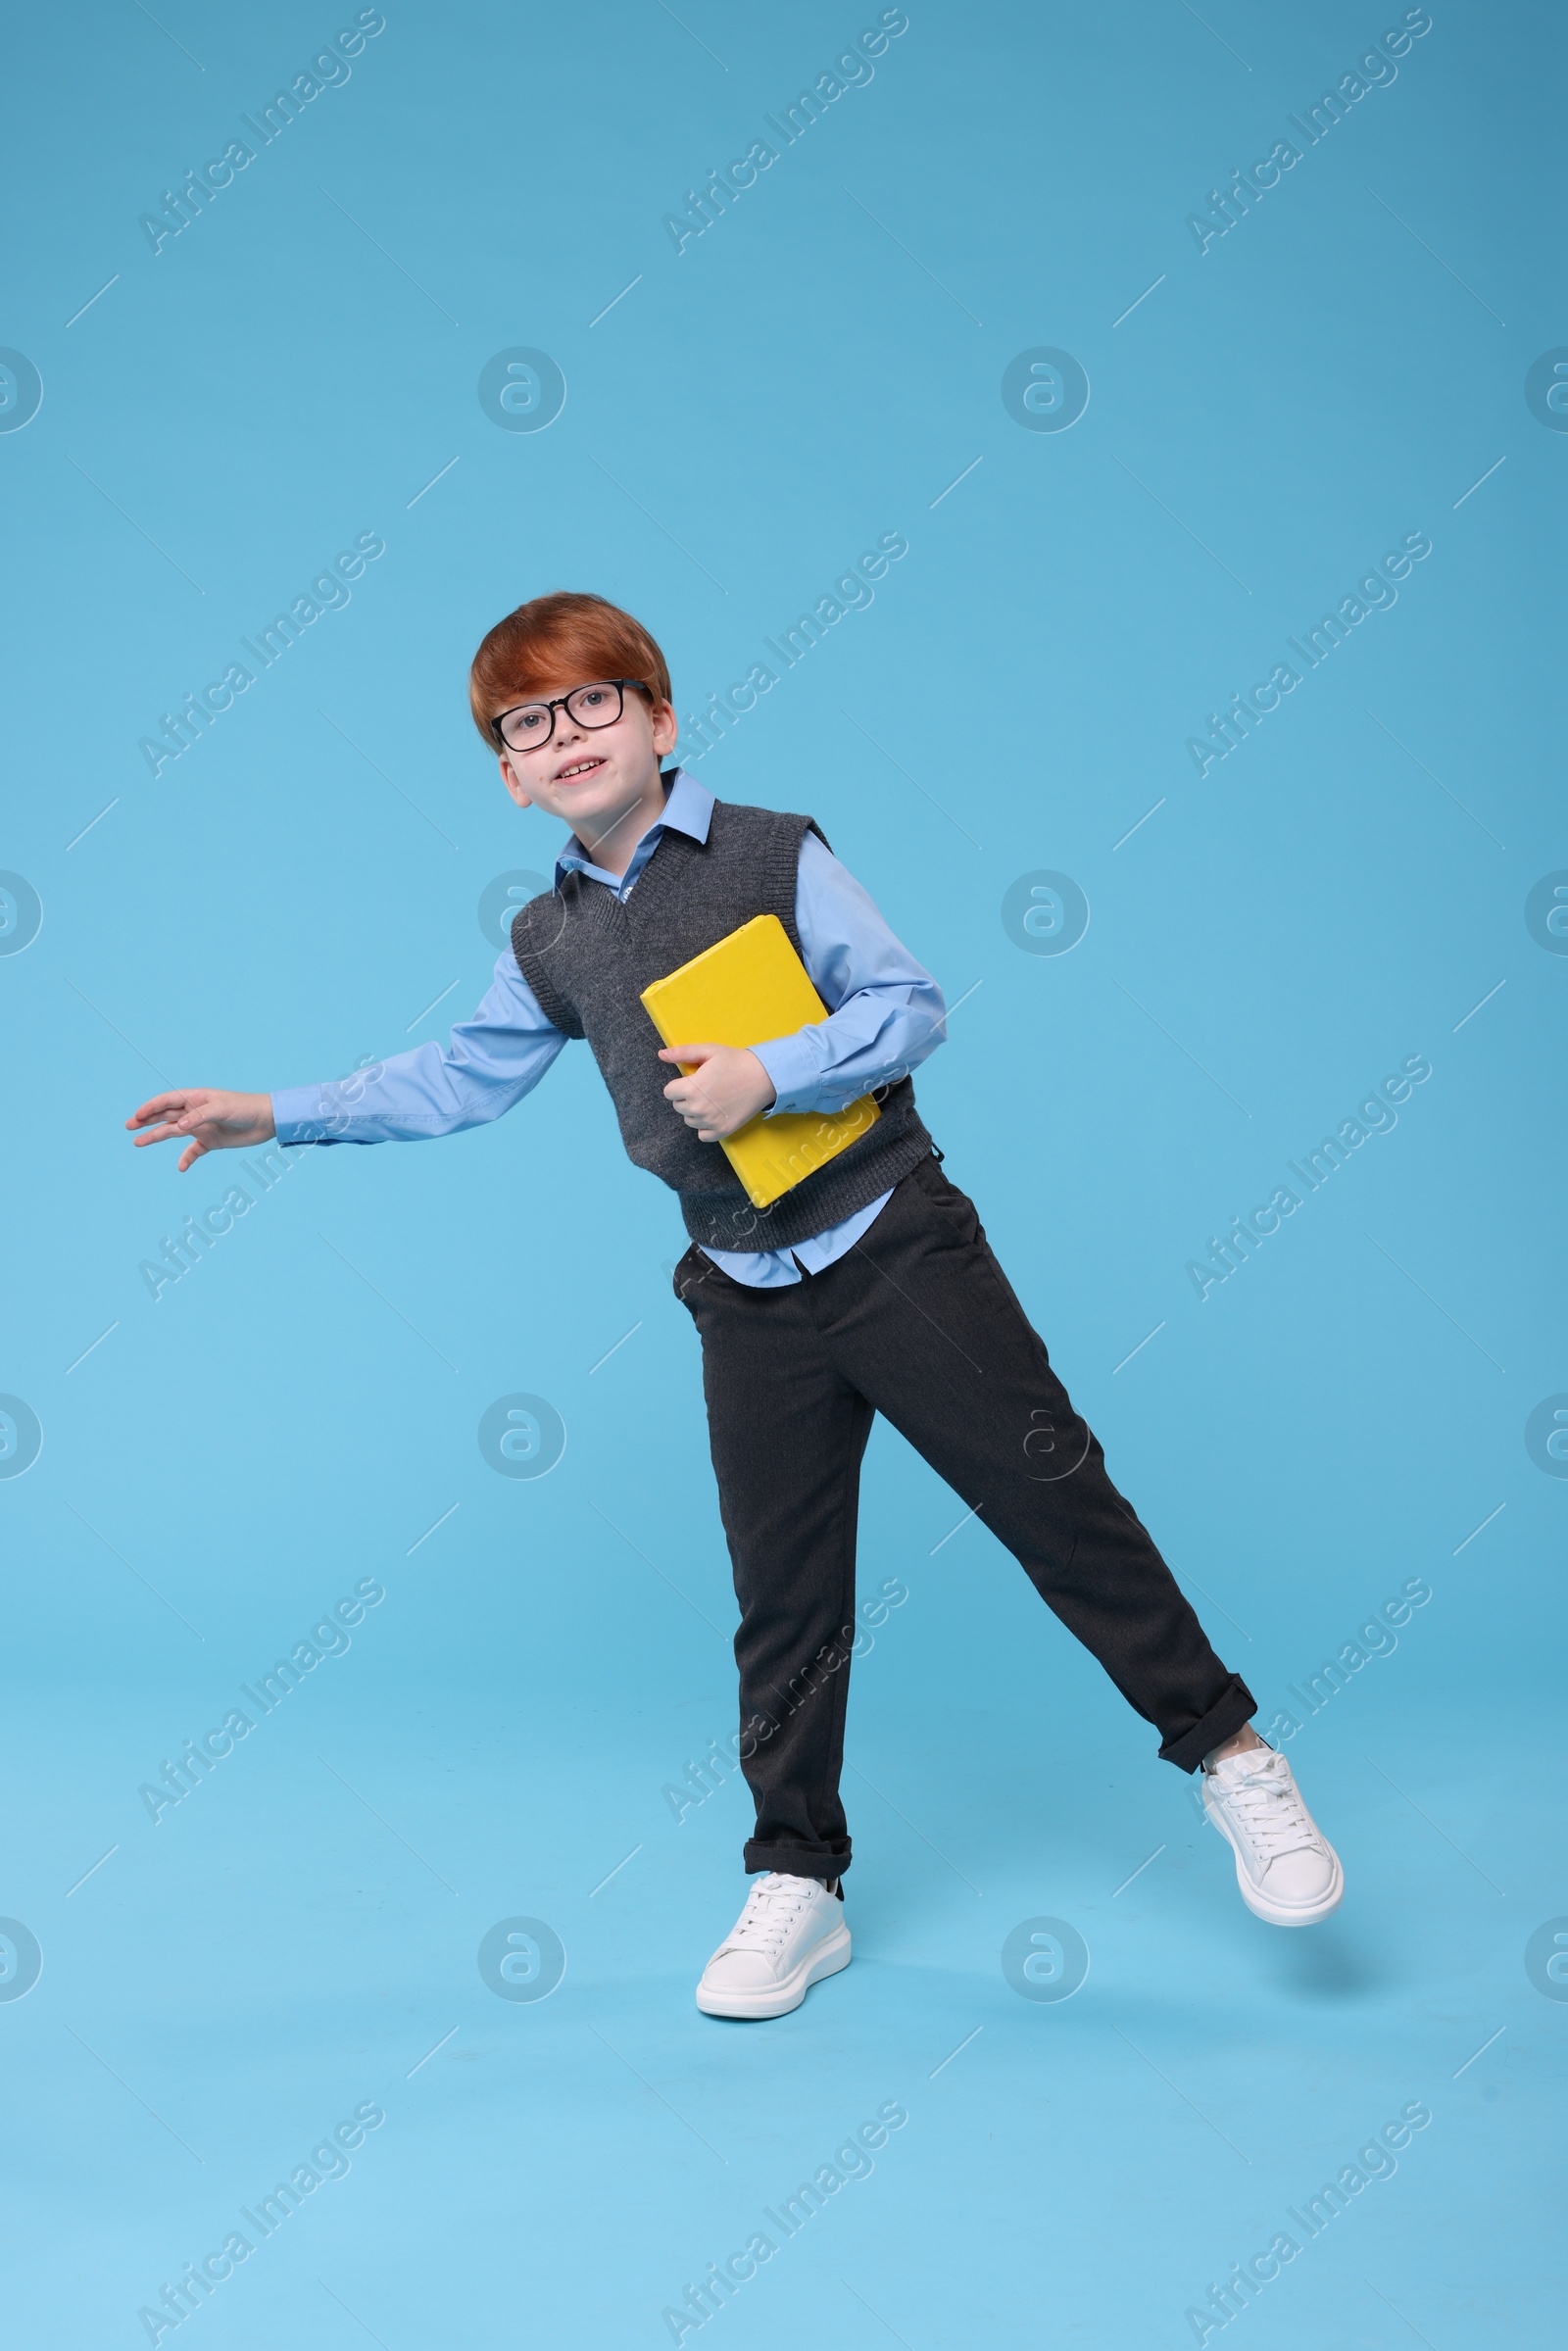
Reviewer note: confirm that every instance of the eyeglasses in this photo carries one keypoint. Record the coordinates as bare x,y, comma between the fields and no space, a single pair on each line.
529,725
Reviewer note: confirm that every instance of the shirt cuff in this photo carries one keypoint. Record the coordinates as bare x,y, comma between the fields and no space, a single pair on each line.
309,1115
797,1080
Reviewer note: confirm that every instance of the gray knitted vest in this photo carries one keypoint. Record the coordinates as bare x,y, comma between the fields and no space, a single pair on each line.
587,955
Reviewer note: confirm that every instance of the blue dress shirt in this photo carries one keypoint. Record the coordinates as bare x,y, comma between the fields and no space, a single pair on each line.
885,1014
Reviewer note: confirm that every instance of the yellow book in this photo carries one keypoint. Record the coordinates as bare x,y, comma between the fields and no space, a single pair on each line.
751,987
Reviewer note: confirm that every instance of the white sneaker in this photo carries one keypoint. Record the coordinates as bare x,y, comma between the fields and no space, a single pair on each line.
1285,1866
789,1935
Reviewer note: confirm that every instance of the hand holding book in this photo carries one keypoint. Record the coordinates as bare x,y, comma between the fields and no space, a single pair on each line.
720,1087
749,987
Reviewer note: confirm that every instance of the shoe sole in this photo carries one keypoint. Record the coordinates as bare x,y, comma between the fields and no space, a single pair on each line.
1276,1914
825,1959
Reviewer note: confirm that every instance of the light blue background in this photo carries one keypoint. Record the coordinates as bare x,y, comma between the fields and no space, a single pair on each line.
285,899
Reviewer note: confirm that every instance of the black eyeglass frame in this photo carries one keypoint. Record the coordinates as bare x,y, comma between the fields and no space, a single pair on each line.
559,701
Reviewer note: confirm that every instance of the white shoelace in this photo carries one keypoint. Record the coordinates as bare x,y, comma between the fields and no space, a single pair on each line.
1266,1807
772,1907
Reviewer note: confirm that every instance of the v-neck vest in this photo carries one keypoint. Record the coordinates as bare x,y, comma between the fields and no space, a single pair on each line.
587,955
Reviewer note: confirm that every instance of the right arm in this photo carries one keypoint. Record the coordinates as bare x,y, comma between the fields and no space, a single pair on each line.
490,1063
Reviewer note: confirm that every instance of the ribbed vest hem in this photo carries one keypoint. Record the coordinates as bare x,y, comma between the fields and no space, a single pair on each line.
726,1220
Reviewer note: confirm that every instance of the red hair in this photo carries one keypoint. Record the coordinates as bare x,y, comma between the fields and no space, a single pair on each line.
565,639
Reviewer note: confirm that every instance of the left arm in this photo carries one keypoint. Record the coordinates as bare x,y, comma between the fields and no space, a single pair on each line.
885,1014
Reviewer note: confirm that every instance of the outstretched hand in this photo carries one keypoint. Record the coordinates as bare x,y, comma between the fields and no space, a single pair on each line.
724,1085
209,1119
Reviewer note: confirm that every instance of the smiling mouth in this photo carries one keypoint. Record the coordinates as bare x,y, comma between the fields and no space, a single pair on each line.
578,767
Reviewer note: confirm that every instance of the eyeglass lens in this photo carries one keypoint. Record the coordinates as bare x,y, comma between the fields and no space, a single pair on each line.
534,722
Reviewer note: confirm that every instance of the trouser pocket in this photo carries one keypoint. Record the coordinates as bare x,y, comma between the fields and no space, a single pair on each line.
688,1273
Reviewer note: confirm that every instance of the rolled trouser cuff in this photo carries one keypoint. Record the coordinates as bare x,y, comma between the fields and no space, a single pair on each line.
1234,1707
797,1860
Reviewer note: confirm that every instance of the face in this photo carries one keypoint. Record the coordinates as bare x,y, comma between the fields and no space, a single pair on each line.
594,777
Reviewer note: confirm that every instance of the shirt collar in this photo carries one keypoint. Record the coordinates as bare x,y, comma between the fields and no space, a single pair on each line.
688,809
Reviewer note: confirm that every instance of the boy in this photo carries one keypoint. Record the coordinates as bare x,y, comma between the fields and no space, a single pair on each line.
867,1288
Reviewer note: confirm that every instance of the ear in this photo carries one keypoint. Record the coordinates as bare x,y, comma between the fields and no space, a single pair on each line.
513,784
666,727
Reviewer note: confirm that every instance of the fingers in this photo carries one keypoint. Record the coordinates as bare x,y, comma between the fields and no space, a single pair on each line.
709,1121
160,1106
690,1099
194,1148
684,1091
693,1105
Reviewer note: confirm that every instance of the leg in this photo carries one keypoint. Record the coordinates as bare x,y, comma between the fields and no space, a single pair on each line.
788,1433
921,1319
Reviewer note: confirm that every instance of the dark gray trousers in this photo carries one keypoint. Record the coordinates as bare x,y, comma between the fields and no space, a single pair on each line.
918,1322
